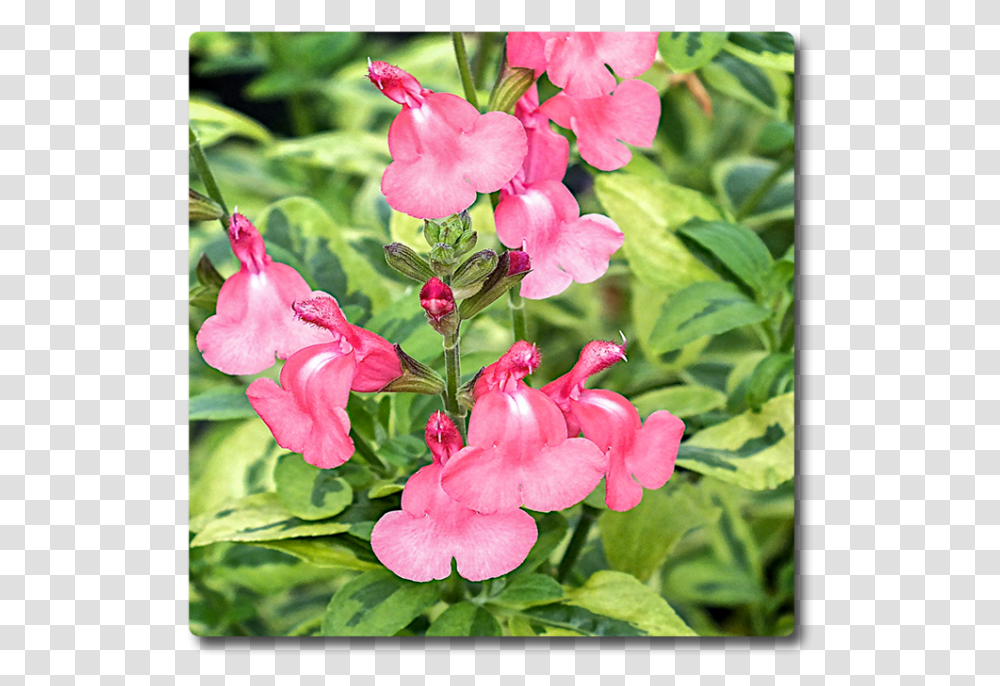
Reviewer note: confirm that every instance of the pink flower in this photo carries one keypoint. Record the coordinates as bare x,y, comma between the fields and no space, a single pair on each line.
518,452
638,455
631,115
539,214
443,150
576,61
253,318
306,413
419,541
437,299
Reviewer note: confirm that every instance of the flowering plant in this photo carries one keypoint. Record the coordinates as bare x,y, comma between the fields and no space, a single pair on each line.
494,346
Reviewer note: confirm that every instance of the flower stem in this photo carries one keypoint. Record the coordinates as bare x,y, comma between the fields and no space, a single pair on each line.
452,380
483,53
763,189
518,316
587,517
205,172
463,67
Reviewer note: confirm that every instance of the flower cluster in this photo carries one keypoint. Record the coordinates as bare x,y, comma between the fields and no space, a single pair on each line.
538,449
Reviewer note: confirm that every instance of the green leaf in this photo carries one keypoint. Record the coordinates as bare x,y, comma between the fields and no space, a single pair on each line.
682,401
703,309
648,211
215,123
622,597
352,152
552,528
309,492
229,461
266,572
706,580
377,603
685,51
333,552
771,50
639,540
738,248
766,90
567,620
220,403
647,302
529,590
777,135
302,226
736,179
754,450
259,517
464,619
771,377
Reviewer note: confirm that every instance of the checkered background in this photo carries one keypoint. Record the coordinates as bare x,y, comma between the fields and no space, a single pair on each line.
899,256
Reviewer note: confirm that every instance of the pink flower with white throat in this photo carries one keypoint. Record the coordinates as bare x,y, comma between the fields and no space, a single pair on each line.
604,124
539,214
306,413
519,452
639,455
578,62
443,150
253,318
419,542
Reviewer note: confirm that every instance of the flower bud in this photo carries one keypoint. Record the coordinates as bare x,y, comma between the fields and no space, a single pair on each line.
439,303
407,262
512,266
416,378
207,274
449,238
205,294
471,275
512,84
202,208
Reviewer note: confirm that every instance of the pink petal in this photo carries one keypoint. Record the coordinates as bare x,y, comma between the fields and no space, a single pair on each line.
548,152
631,114
563,246
519,454
378,363
654,452
306,415
254,321
526,49
622,492
420,542
445,151
607,418
575,66
629,54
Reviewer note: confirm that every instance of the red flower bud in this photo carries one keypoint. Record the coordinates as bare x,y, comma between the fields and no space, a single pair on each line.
436,298
520,262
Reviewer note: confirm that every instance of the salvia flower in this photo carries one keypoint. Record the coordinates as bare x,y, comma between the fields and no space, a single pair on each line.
539,214
519,452
603,124
306,413
444,151
253,318
437,300
576,62
419,542
639,455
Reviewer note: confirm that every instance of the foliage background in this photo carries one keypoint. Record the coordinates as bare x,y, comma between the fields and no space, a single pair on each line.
297,139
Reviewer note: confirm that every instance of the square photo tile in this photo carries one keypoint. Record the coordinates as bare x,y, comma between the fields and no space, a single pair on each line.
492,334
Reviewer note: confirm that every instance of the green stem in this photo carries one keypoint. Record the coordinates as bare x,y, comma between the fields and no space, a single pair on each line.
587,517
748,206
463,67
452,380
518,316
205,172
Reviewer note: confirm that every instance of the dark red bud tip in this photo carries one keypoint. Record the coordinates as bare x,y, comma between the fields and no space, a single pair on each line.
442,437
519,262
395,83
437,299
321,311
